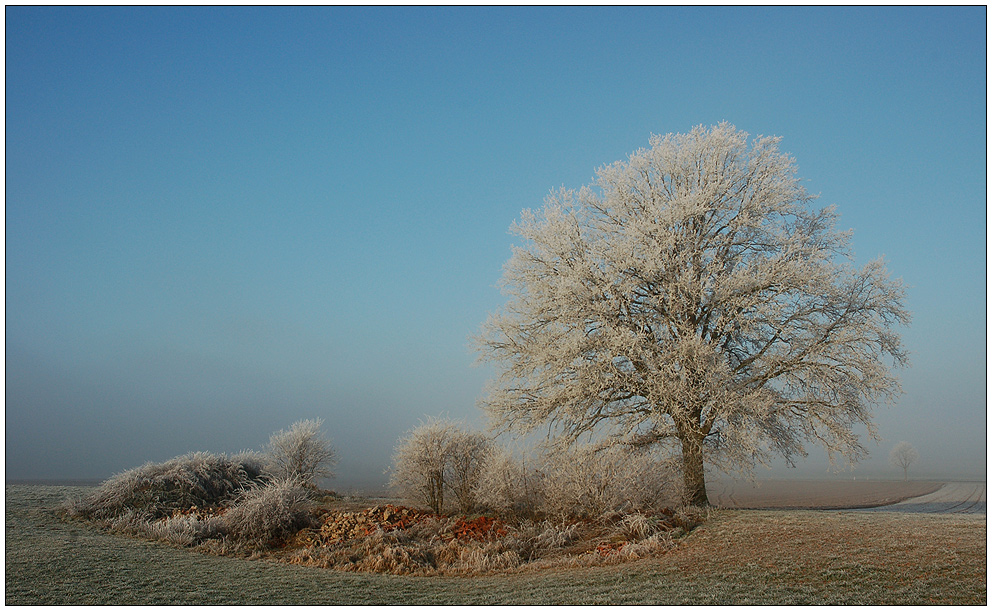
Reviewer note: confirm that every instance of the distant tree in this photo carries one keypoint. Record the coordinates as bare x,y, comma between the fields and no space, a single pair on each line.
301,452
903,455
436,458
694,297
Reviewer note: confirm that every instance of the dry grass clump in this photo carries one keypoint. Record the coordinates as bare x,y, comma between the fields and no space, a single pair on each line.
181,529
267,515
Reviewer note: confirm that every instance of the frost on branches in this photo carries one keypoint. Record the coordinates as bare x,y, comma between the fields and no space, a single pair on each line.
693,296
436,460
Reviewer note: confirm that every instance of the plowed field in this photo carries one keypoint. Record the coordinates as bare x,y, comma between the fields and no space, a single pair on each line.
814,494
953,497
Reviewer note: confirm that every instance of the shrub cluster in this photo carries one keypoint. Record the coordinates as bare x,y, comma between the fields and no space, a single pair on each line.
577,483
246,501
573,507
439,458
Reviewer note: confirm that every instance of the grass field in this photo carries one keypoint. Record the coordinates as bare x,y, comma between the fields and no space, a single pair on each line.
738,557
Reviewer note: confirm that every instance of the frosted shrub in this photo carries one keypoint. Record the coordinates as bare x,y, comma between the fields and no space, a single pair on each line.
224,503
155,490
507,486
577,483
269,513
467,452
436,461
301,452
582,483
253,462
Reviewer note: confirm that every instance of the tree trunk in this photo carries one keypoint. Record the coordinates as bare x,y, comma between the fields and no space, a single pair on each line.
692,472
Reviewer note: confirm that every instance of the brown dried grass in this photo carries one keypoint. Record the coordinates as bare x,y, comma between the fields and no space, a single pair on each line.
449,546
809,551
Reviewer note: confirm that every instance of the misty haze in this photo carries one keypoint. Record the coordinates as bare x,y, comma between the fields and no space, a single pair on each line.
498,293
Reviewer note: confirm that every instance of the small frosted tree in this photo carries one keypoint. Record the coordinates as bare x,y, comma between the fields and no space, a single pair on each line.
436,460
301,452
903,455
510,485
693,297
467,453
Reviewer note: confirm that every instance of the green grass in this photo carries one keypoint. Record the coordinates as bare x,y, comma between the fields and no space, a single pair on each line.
739,557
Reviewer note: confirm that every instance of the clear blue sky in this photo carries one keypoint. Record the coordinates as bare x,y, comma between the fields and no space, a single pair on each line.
221,220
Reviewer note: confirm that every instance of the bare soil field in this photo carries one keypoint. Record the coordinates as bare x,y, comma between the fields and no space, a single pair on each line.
737,557
953,497
882,495
814,494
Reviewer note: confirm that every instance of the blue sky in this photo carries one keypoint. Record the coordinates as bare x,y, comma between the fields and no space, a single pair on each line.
221,220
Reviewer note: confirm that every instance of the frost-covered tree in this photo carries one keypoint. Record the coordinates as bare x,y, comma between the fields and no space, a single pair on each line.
509,485
693,296
903,455
436,458
301,452
467,454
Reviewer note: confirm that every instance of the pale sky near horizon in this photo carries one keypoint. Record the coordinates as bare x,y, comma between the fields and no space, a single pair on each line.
222,220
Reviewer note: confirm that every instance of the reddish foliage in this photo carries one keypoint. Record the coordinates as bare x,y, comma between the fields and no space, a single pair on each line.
480,528
606,548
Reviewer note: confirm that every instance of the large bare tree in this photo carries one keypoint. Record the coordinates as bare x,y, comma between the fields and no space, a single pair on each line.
693,295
